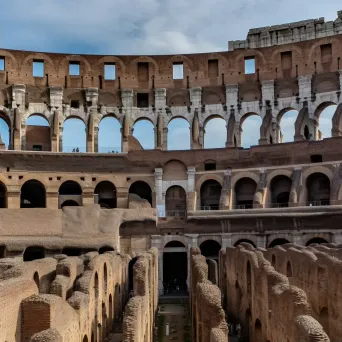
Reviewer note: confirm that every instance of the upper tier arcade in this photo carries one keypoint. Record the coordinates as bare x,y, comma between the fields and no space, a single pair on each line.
303,73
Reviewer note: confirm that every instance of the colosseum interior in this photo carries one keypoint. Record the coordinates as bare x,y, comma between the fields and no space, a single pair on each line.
204,244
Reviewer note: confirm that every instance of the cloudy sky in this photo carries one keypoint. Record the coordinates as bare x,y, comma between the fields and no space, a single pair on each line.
150,27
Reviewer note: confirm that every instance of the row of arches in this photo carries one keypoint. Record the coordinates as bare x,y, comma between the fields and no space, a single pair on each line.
33,194
179,135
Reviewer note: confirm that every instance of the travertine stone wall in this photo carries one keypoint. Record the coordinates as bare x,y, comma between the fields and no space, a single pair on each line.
208,317
264,301
316,270
138,322
63,298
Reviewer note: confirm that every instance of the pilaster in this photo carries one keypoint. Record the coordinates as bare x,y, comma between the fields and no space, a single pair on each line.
18,95
127,98
92,97
52,199
226,240
340,72
196,97
267,89
56,97
191,178
304,83
261,241
232,94
13,197
160,98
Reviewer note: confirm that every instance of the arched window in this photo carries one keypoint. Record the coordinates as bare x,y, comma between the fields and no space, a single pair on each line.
178,136
106,195
38,135
250,130
3,196
32,195
143,131
280,191
210,195
215,133
70,194
318,188
5,131
287,122
141,189
239,242
175,201
245,189
325,113
74,135
316,240
109,135
210,249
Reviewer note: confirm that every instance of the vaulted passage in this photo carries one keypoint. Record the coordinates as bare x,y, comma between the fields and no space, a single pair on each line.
106,195
142,189
318,188
280,191
175,268
130,273
210,195
175,201
33,195
244,193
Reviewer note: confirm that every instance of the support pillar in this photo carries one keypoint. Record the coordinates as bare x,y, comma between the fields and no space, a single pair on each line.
160,201
88,197
122,197
52,199
297,238
157,243
192,241
226,240
13,197
261,241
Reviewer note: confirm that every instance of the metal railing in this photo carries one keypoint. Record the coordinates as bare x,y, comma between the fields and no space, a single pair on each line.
243,206
210,207
172,213
318,203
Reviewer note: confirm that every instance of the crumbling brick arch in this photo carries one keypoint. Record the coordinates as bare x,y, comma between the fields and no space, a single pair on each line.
297,59
11,62
244,192
260,60
49,64
85,68
133,65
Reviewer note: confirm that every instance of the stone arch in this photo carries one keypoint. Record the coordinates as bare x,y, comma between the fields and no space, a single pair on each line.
141,189
38,132
68,143
85,338
33,253
315,240
278,242
178,128
106,194
258,331
174,170
131,273
69,203
144,59
105,248
64,63
250,52
3,195
324,115
242,121
210,249
143,130
70,187
6,135
180,58
109,133
214,136
318,189
14,63
336,129
41,56
33,194
175,201
105,278
280,188
111,59
210,194
240,241
290,114
205,178
244,191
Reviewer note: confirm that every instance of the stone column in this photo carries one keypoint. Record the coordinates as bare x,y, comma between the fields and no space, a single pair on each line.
191,193
55,132
192,241
52,199
226,192
13,196
340,72
90,133
160,99
18,102
337,238
195,132
158,181
165,131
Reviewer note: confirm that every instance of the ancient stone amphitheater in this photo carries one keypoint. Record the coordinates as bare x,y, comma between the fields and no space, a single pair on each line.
91,243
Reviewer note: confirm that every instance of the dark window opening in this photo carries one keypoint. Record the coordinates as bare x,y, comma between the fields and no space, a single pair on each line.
142,100
210,166
316,158
326,53
143,71
141,189
306,132
70,188
75,104
34,253
213,68
286,60
69,203
74,68
72,251
37,147
105,249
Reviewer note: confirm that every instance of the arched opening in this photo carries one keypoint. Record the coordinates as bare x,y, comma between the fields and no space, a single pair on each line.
3,196
324,114
210,249
287,122
92,337
74,135
280,191
245,189
215,133
85,338
239,242
68,193
318,189
69,203
246,328
105,249
175,264
105,278
210,195
36,279
278,242
258,331
288,269
316,240
250,130
249,278
38,136
5,131
273,260
178,134
143,131
72,251
34,253
141,189
105,192
175,201
109,135
3,252
130,275
32,195
324,319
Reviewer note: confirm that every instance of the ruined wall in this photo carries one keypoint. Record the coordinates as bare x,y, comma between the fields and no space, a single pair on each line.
264,302
140,310
208,317
316,270
63,298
